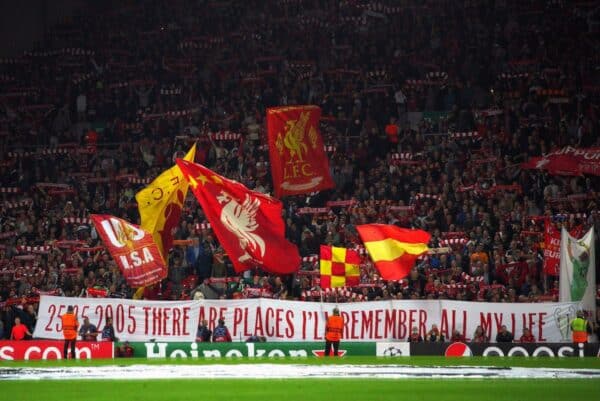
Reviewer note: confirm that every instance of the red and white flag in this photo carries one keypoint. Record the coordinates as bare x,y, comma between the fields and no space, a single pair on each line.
299,164
567,161
134,250
551,249
248,224
552,246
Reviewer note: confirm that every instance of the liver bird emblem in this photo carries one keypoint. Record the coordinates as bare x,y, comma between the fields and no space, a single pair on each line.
125,234
294,136
241,221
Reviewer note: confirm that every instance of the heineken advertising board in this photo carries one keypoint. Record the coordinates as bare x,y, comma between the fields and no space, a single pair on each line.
245,350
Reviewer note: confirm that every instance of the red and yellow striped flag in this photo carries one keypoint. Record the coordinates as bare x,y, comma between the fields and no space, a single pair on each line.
340,267
394,250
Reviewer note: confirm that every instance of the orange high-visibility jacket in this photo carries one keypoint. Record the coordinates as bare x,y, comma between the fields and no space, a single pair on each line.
333,330
70,325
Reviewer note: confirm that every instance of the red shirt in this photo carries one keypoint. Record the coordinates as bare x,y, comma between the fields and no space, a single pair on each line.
18,332
527,339
392,132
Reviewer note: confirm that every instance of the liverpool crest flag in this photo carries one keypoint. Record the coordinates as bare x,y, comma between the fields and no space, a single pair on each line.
132,248
340,267
299,164
248,224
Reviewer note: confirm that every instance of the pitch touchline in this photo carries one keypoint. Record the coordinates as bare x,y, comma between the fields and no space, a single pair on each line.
272,371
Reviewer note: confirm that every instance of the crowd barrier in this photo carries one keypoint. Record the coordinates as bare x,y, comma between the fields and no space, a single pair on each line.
246,349
52,349
459,349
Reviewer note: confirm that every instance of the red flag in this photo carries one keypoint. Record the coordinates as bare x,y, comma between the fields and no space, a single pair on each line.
394,250
132,248
298,161
567,161
248,224
551,248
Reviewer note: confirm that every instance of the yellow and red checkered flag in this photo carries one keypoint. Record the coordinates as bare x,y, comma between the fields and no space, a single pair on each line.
340,267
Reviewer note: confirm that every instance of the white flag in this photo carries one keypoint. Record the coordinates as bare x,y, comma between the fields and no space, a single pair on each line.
578,270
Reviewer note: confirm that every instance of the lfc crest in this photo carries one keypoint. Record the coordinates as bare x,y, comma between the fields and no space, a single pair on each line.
121,234
298,139
240,220
293,138
298,160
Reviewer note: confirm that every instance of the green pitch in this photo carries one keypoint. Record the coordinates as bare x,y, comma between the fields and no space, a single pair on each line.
305,389
313,389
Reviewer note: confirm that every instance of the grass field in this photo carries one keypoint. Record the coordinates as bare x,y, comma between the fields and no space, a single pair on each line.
305,389
310,389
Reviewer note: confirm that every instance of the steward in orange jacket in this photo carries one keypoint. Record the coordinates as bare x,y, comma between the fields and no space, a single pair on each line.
333,332
69,327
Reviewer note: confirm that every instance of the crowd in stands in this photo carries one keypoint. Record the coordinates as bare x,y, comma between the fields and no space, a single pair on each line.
429,108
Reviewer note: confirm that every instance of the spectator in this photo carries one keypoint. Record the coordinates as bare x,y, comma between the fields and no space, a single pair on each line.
415,337
203,334
30,318
504,336
87,331
19,331
434,335
279,289
527,337
125,350
221,333
108,332
457,337
479,336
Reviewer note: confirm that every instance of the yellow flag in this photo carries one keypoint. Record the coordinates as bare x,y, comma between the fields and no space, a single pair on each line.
161,202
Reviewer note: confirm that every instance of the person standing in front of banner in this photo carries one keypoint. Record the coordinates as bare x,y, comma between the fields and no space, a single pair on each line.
221,333
69,328
88,332
19,331
581,328
504,336
333,332
108,332
204,333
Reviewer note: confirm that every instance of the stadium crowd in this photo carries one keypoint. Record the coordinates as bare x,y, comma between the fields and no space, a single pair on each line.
429,110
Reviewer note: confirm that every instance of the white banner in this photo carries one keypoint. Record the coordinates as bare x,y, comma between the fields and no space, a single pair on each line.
387,320
578,270
132,320
305,321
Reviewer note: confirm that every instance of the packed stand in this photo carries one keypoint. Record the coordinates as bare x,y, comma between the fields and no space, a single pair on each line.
429,111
